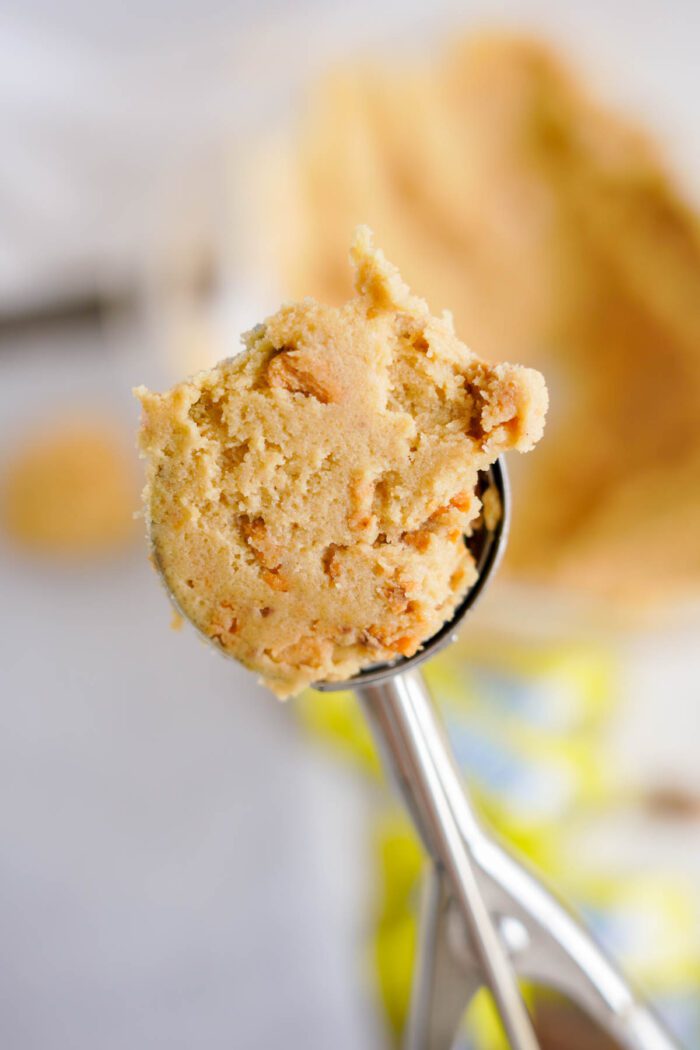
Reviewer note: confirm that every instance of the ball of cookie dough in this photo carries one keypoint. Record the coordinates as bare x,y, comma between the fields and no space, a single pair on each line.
308,501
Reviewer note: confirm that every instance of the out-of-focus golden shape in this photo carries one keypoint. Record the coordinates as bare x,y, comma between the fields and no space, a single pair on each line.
553,229
70,490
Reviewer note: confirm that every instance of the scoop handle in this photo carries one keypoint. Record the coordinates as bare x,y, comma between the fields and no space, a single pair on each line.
394,708
513,922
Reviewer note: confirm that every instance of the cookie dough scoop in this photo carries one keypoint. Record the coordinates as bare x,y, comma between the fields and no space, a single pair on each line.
326,508
308,500
486,919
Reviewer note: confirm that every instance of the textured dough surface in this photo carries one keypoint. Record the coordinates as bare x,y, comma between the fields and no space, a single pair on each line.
308,499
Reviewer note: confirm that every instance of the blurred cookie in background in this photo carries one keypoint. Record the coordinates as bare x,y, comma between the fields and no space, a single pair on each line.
555,228
70,489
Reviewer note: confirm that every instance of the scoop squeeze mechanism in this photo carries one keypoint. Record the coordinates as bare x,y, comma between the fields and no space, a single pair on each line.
487,920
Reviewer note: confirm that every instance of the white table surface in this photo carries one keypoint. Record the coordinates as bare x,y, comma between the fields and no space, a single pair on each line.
179,866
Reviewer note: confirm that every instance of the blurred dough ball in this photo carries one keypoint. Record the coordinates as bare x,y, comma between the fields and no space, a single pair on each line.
71,488
555,229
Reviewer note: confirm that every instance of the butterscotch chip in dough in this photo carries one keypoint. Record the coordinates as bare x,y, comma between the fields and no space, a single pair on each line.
308,499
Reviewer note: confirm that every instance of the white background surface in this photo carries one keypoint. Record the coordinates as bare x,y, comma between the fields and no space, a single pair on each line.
179,867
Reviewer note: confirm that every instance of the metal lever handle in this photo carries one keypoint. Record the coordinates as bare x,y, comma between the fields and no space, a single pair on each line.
560,952
552,948
394,708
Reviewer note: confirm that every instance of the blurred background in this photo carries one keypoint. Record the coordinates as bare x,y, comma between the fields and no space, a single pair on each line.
185,862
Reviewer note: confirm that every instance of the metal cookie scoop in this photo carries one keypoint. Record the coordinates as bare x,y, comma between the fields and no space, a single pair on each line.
486,918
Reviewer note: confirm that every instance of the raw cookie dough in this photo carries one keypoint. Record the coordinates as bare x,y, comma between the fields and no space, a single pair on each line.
308,499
